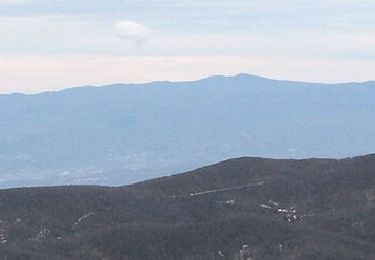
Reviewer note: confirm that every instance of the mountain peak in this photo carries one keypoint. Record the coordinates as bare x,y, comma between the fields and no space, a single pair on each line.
237,76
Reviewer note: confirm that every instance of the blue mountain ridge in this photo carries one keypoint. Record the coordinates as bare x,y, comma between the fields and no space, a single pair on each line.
123,133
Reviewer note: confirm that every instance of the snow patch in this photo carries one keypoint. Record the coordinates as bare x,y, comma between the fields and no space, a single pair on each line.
42,234
228,202
259,183
78,221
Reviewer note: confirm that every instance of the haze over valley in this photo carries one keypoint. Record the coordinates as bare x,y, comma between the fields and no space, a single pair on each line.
123,133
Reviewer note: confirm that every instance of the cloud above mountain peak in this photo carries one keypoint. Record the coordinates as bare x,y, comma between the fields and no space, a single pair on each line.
132,31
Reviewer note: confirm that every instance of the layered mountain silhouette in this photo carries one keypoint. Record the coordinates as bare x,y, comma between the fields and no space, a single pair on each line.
123,133
266,208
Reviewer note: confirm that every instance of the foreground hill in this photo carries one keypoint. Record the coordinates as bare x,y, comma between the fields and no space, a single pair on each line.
280,209
119,134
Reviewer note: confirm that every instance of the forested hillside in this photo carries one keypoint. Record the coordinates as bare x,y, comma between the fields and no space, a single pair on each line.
273,209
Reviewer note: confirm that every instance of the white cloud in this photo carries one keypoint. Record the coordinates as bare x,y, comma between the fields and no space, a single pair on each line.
280,40
132,31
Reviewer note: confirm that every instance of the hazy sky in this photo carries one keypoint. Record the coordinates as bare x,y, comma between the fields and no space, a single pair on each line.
54,44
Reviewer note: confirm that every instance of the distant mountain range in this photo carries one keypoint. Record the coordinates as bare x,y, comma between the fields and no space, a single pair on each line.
269,209
122,133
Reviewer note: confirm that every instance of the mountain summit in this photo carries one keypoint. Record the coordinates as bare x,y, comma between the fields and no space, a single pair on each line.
123,133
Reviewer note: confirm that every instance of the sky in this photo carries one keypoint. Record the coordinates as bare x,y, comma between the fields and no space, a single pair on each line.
54,44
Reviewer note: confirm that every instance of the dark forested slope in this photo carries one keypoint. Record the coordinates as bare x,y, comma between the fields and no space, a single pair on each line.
281,209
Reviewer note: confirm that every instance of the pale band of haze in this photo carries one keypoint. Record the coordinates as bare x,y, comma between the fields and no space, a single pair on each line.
50,45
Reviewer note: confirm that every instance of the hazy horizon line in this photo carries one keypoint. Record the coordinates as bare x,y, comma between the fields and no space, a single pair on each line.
185,81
